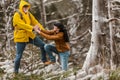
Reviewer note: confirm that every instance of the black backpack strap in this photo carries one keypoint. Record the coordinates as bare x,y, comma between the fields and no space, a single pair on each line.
20,14
29,15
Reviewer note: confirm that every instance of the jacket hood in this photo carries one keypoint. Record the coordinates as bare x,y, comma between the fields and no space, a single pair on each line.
22,3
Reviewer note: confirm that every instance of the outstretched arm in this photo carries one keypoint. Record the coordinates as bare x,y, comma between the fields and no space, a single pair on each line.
49,36
50,32
17,21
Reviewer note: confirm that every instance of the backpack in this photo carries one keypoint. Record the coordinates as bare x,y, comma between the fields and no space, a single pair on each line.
21,16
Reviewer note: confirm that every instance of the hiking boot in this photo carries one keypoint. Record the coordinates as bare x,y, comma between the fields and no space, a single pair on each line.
49,62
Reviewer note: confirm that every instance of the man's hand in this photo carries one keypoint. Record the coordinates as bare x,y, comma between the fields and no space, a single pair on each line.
36,28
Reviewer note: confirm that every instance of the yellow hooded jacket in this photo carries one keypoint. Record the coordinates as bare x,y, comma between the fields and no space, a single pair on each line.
23,28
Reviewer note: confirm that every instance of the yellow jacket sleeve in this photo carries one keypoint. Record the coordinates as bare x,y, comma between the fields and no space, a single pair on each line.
35,22
20,24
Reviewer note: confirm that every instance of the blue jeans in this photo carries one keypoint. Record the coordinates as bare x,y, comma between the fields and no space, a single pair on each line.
49,49
63,56
64,60
21,46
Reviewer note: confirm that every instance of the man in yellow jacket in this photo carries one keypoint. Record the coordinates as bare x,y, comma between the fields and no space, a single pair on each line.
23,32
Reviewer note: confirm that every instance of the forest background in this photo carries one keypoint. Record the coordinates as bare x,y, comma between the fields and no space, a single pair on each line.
94,30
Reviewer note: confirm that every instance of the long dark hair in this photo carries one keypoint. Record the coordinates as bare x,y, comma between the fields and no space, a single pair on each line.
62,29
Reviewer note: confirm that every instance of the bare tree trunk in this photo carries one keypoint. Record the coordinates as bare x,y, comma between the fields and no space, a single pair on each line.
112,46
7,8
7,46
96,31
43,13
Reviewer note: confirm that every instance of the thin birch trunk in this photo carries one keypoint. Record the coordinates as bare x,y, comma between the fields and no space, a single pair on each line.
92,53
43,13
7,9
113,53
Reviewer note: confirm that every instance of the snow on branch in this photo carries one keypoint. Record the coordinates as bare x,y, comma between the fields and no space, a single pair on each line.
62,18
82,35
115,1
111,19
53,2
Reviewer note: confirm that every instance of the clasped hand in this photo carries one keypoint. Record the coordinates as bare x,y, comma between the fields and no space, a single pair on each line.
36,28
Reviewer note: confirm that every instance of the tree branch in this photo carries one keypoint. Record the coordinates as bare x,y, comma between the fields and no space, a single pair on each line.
86,32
